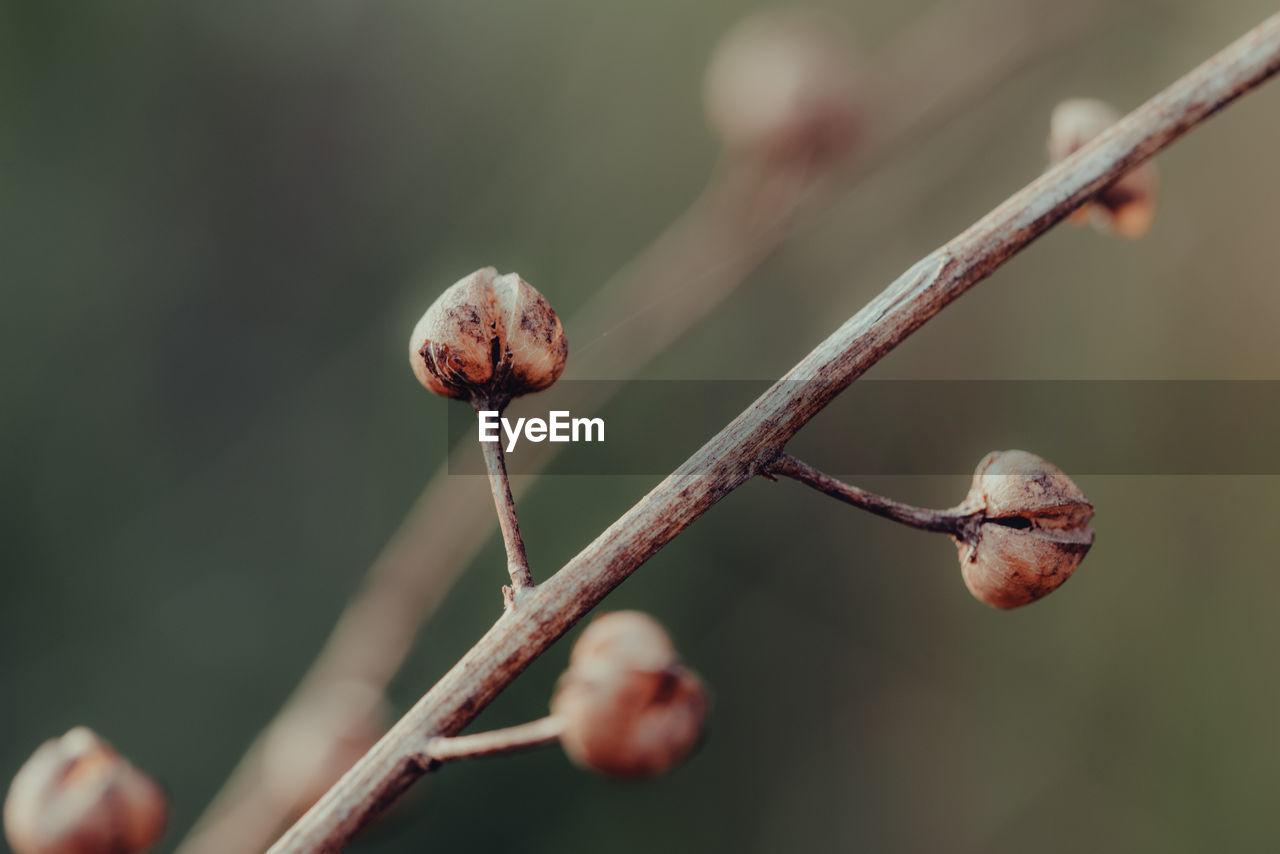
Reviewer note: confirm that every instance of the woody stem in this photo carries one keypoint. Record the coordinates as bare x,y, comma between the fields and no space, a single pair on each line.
954,521
537,733
499,484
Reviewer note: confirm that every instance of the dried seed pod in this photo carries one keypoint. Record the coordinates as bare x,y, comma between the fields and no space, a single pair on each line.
1127,206
782,86
630,638
1033,529
488,339
76,795
629,709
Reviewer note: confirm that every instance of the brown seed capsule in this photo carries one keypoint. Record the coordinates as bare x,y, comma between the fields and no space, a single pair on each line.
629,638
488,339
1126,207
76,795
782,86
1033,532
629,709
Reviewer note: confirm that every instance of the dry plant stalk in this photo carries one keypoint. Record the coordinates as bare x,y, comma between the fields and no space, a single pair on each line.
494,742
754,439
739,220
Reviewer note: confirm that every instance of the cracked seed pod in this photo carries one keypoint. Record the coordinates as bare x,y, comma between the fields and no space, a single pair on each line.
1033,532
488,339
782,86
76,795
629,709
1126,207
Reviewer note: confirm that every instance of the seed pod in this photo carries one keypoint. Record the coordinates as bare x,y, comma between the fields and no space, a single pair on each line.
1033,529
1127,206
629,638
629,710
488,339
782,86
76,795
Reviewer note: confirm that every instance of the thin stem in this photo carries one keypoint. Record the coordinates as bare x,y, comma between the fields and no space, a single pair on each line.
954,521
500,486
755,438
537,733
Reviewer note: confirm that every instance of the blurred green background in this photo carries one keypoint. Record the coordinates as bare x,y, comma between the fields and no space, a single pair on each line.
218,223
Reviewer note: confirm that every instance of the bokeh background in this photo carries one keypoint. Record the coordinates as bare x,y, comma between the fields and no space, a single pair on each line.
218,223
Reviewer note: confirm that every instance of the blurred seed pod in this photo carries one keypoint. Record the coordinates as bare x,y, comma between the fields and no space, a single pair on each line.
629,638
1033,532
307,752
1126,207
488,339
76,795
782,85
629,709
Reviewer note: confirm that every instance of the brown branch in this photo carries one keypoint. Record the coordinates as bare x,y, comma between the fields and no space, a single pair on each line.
537,733
954,521
757,436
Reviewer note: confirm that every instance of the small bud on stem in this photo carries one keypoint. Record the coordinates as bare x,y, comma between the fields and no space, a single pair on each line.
629,708
489,339
1021,531
625,707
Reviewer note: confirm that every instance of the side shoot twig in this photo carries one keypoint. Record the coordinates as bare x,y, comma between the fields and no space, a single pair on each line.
525,736
757,436
505,504
953,521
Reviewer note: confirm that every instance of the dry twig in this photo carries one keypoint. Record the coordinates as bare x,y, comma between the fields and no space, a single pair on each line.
953,521
756,437
500,486
537,733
